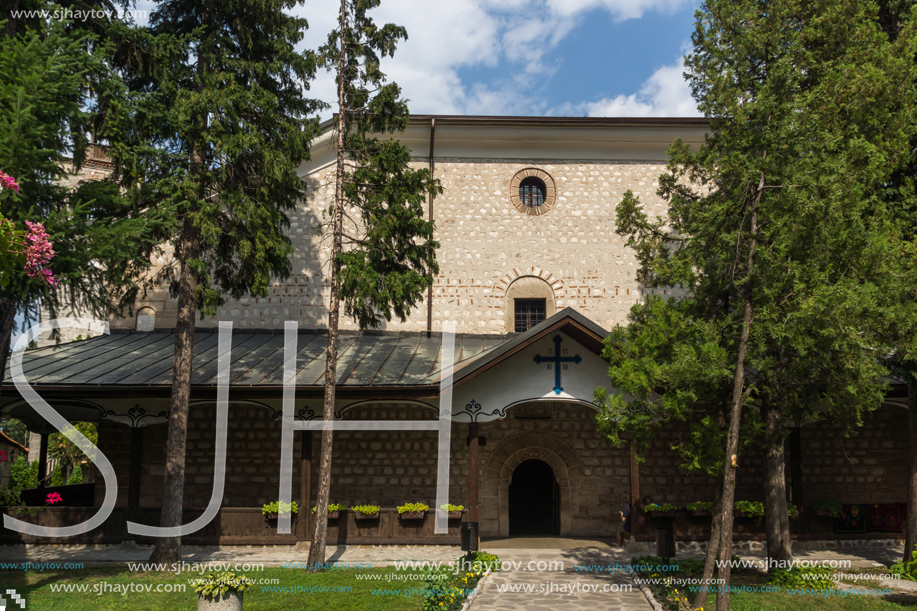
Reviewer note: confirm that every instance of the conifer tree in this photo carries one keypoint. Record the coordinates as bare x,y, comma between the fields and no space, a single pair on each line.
775,229
383,255
59,88
220,124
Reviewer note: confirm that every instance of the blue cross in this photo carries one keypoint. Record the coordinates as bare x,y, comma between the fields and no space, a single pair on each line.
556,360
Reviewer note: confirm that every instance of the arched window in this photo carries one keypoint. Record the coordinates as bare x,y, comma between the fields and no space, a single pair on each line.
532,191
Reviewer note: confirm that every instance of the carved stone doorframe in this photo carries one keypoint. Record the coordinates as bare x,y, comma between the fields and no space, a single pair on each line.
498,475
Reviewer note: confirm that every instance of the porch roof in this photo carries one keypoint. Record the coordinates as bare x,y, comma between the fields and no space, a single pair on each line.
142,362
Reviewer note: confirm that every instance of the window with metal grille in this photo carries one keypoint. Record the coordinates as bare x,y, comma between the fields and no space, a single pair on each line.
531,191
529,312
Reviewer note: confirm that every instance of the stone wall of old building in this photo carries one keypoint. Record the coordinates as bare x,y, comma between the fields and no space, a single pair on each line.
390,468
486,244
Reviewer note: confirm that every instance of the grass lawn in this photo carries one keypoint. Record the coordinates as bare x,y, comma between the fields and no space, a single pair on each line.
767,601
103,589
786,599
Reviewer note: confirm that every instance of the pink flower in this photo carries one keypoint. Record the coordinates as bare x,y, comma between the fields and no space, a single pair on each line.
3,457
53,497
38,253
8,182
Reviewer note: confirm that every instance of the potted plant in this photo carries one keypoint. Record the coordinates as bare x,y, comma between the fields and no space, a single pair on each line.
828,507
792,510
664,510
700,509
220,591
412,511
453,512
365,512
748,509
334,510
274,510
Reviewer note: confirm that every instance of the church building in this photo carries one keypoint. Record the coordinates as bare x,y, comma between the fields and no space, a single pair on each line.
534,277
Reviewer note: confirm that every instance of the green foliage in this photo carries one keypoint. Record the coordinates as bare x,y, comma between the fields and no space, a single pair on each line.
76,476
57,478
451,507
753,509
660,507
279,507
833,506
14,429
907,570
24,475
388,258
809,577
218,128
700,506
412,507
448,590
67,453
331,507
218,584
365,509
58,87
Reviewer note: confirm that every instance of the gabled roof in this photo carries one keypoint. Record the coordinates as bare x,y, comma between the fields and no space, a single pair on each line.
142,362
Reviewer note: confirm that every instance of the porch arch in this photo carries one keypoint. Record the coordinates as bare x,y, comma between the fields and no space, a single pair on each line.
498,475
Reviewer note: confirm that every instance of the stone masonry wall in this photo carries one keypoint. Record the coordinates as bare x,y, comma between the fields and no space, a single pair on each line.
485,245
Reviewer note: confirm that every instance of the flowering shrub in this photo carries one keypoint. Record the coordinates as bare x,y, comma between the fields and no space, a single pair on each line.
38,253
412,507
32,247
3,457
53,497
447,591
8,182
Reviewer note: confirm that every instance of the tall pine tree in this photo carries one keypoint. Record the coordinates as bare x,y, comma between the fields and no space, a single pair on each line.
220,125
383,257
775,228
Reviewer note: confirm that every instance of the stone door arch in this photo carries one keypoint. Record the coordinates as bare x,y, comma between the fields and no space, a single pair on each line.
498,475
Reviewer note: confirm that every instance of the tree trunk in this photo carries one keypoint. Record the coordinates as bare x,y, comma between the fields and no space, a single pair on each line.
168,549
712,548
910,544
735,417
777,521
7,320
317,549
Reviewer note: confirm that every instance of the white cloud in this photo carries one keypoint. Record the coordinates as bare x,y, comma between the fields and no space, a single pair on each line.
664,94
621,10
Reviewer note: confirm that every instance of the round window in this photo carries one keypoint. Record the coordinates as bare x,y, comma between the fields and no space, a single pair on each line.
532,191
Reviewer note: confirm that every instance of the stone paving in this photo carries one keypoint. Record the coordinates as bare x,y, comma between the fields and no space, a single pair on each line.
556,588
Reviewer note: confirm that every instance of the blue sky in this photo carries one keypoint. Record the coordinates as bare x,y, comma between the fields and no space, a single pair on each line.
616,58
541,57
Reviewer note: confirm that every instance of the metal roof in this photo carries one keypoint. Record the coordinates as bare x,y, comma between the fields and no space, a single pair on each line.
135,359
366,360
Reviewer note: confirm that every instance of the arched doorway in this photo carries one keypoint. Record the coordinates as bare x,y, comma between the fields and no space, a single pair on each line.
534,500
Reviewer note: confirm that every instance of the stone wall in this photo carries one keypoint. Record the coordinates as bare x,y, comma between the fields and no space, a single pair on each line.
390,468
485,244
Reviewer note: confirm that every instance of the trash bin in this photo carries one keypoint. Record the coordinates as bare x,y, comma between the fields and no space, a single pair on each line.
469,536
665,542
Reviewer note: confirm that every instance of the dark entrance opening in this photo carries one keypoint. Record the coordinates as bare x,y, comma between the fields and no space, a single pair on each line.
534,500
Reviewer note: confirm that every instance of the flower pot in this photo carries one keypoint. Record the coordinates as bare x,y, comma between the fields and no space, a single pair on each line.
231,601
365,516
273,515
701,513
412,515
454,515
662,514
334,515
